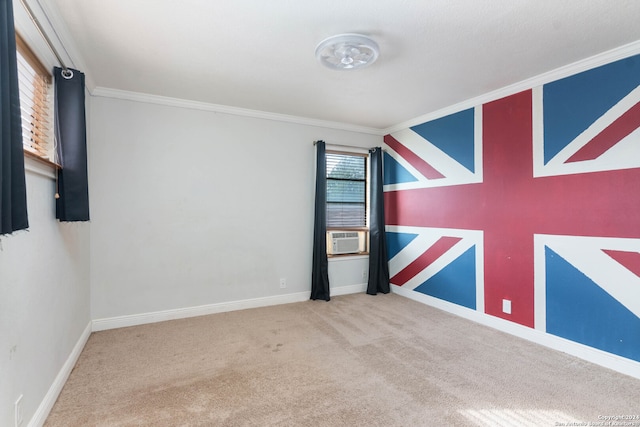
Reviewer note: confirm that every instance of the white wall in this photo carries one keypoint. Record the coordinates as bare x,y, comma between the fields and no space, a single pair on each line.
194,207
44,299
44,287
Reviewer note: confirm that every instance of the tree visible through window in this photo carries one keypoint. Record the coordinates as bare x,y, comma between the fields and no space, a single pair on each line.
347,231
346,191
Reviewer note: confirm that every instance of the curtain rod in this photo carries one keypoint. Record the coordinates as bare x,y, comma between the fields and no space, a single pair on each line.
345,146
66,73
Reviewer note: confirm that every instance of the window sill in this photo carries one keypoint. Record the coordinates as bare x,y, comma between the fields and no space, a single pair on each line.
39,166
347,257
30,155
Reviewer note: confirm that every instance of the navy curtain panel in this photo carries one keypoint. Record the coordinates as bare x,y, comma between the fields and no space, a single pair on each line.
71,136
378,262
320,268
13,189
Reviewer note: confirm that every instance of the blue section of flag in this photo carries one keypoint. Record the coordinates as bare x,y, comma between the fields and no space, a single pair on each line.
572,104
580,310
452,134
394,172
455,283
397,242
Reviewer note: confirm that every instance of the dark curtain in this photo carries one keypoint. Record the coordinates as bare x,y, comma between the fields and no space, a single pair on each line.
13,189
71,136
378,263
320,268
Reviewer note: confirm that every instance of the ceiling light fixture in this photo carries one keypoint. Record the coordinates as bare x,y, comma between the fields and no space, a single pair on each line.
347,51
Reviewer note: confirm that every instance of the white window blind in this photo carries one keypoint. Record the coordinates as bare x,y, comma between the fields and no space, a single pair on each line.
346,190
35,84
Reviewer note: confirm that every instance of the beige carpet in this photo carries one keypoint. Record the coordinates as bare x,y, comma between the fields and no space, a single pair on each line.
357,360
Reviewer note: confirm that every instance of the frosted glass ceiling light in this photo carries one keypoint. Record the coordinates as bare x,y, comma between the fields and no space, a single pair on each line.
347,51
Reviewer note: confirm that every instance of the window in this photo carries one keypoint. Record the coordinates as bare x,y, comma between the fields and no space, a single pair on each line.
35,103
346,203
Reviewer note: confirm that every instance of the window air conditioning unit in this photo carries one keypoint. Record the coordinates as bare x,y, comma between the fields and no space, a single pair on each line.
344,242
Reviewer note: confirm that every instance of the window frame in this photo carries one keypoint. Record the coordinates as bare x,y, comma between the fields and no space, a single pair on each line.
25,51
364,230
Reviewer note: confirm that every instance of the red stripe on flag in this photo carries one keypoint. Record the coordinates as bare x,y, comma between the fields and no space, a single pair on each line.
417,162
423,261
510,206
630,260
610,136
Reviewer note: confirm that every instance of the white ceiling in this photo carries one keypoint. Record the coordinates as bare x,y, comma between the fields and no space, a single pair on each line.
259,55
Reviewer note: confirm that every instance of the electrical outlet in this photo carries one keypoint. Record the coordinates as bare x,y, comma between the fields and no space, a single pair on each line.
364,274
506,306
283,282
18,411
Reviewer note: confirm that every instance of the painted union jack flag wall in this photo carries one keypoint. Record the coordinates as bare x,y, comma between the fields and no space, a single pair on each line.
533,198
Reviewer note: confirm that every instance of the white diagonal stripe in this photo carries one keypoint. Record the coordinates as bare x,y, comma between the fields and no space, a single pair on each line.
454,173
586,254
624,155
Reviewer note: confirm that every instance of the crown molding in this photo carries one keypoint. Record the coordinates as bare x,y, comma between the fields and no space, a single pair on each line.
607,57
56,29
225,109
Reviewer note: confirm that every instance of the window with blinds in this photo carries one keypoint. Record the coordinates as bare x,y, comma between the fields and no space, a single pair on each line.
35,85
346,191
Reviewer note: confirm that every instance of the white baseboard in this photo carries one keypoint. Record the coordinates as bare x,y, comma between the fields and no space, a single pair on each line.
607,360
50,398
590,354
351,289
203,310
